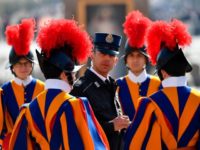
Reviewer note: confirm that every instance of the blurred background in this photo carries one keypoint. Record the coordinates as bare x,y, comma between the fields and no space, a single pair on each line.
101,16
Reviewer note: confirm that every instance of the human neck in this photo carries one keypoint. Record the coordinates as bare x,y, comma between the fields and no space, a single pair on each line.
99,72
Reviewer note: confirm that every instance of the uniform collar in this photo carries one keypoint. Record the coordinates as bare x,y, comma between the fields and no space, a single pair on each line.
100,76
57,84
138,79
23,82
174,81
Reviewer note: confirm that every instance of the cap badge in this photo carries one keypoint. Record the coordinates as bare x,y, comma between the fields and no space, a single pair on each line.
109,38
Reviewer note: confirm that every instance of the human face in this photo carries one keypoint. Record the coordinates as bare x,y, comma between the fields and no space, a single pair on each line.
103,63
136,62
23,68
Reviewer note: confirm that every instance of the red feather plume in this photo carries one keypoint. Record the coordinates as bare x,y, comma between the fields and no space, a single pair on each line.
20,36
163,34
159,32
57,33
135,28
181,35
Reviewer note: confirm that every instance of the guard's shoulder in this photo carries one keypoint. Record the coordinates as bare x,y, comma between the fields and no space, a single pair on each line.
41,83
146,101
155,78
5,85
81,82
155,95
195,92
120,80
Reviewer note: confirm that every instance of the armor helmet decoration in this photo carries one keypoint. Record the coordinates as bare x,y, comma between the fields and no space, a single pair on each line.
135,28
63,44
165,42
20,37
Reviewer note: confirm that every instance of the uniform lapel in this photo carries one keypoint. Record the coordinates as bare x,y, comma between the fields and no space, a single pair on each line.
94,78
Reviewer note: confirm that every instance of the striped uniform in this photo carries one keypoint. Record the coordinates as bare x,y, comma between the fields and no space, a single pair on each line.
169,119
1,117
129,92
57,120
13,96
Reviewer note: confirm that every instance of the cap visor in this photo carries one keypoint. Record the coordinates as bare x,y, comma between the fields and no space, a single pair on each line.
108,51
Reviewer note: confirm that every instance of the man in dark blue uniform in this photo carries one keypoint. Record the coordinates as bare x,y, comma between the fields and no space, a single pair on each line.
100,88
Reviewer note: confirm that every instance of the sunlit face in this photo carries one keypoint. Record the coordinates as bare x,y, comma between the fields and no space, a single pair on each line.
103,63
136,62
23,68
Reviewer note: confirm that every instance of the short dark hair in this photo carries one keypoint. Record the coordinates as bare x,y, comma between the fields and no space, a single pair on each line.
175,67
50,71
69,78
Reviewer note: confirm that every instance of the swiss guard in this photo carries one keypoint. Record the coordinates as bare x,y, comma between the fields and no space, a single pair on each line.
23,88
55,119
137,82
168,119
